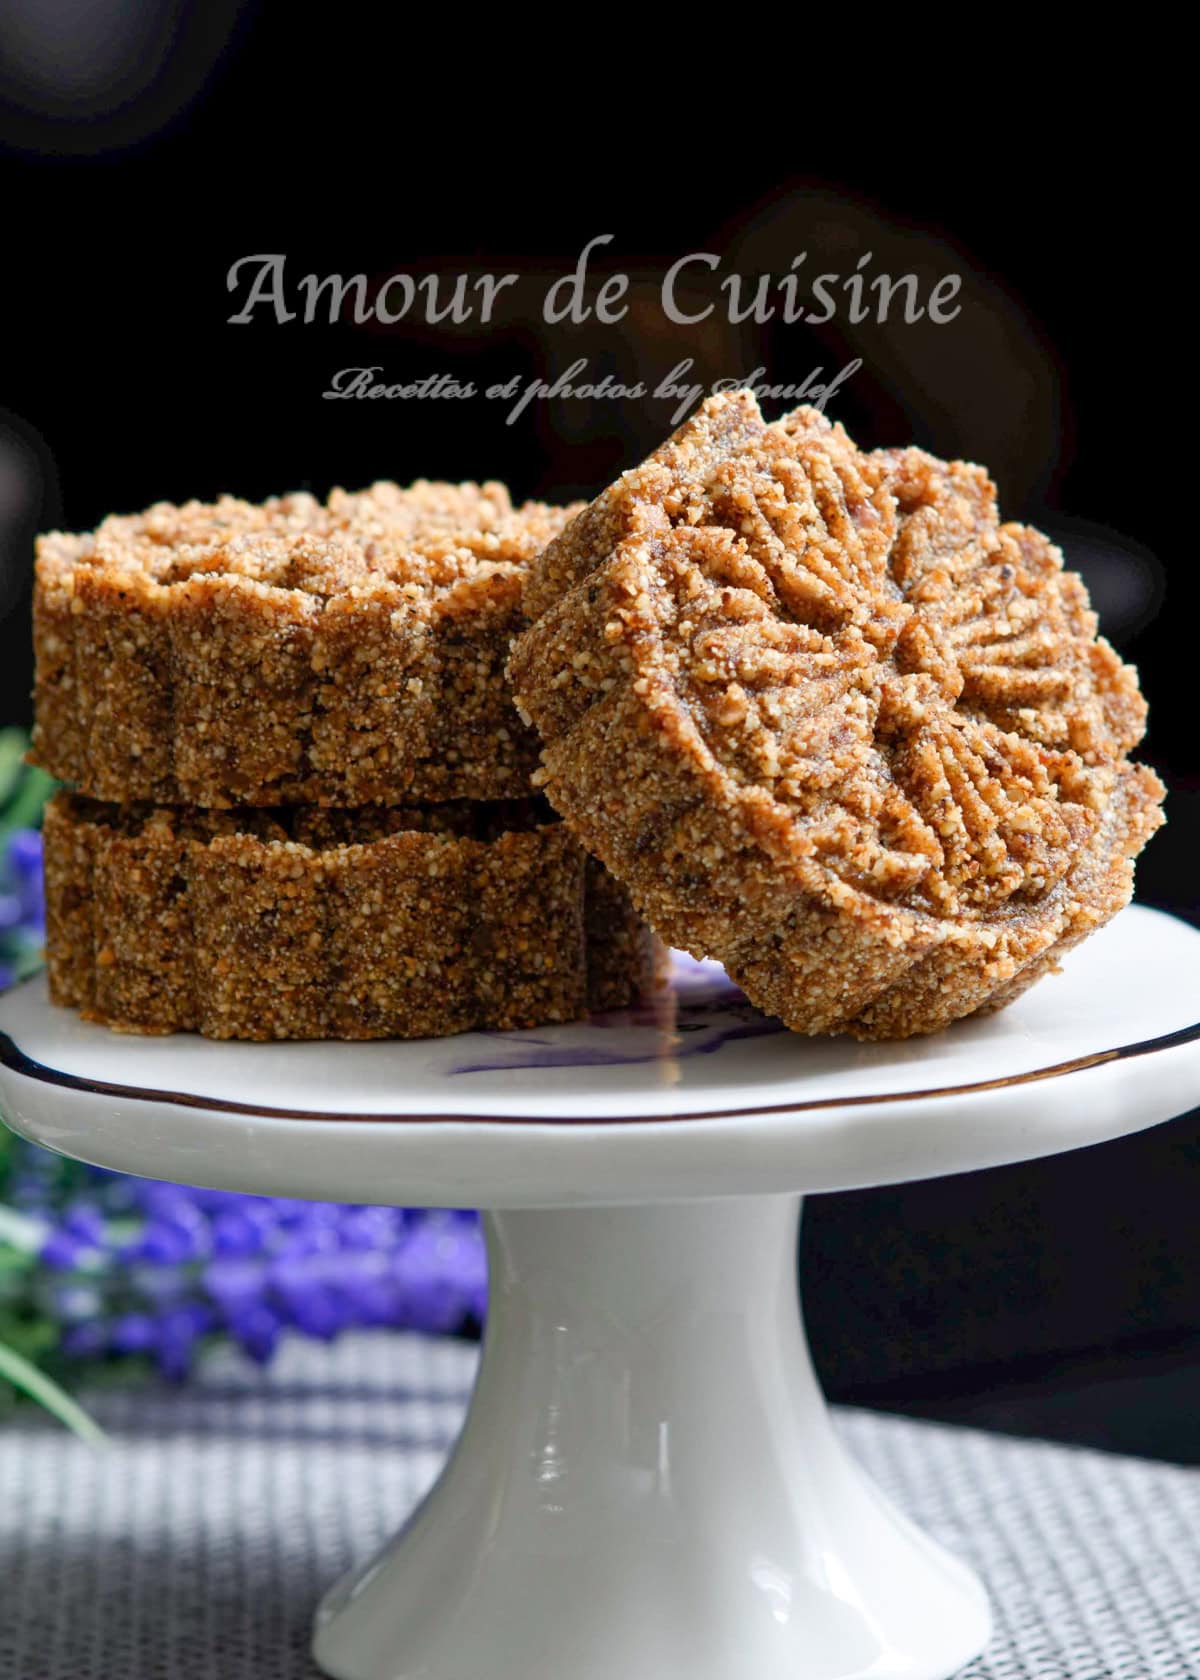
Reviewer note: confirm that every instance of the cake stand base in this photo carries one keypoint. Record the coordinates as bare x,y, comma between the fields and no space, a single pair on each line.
648,1486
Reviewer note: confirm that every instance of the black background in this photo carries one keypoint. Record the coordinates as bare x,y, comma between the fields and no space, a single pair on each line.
1062,1296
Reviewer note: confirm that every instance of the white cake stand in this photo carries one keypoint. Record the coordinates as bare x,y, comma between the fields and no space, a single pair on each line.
647,1486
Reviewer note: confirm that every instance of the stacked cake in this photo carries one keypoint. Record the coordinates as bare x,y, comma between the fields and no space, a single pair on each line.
300,798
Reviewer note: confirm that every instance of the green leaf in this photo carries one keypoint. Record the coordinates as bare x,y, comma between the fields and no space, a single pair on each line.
28,960
38,1386
20,1231
27,798
12,755
29,1334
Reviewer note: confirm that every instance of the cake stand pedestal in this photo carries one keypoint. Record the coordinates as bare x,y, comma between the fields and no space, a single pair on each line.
647,1486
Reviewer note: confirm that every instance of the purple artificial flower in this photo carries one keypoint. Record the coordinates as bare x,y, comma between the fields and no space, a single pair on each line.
154,1269
22,905
24,855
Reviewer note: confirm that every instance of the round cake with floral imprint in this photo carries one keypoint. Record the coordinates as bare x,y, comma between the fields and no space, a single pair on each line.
835,724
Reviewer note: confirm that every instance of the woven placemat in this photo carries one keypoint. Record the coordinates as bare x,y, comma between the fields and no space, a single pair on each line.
196,1547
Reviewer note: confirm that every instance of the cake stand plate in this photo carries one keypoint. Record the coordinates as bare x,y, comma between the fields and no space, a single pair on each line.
647,1486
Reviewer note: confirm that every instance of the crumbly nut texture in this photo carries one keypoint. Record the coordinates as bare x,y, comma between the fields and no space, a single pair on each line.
298,651
833,723
350,924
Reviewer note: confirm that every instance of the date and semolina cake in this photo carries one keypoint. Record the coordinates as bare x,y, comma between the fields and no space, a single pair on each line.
833,722
294,652
309,922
